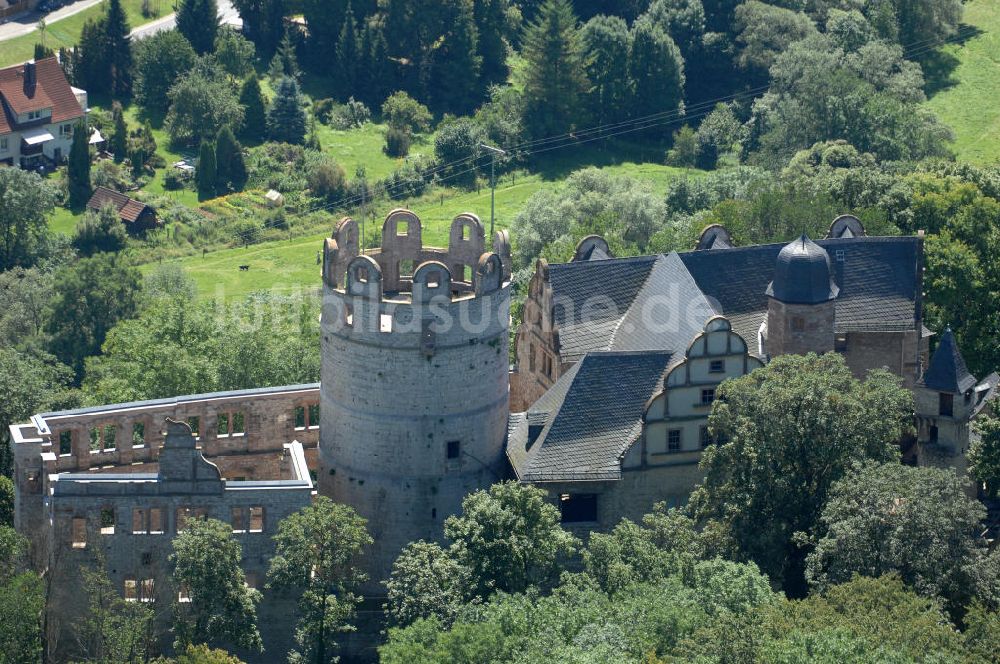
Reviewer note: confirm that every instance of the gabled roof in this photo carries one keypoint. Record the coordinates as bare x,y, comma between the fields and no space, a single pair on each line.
592,415
878,279
129,209
947,371
51,90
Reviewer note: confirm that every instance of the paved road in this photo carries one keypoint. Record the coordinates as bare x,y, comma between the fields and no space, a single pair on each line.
26,23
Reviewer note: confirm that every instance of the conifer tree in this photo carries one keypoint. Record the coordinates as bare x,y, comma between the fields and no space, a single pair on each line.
205,174
78,168
657,72
347,55
230,167
90,70
363,76
119,49
381,77
456,61
285,62
491,22
198,21
255,110
119,139
286,120
555,75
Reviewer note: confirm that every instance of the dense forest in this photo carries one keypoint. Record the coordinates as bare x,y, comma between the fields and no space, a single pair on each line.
770,118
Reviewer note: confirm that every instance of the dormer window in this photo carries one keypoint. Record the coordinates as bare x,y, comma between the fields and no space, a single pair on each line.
34,115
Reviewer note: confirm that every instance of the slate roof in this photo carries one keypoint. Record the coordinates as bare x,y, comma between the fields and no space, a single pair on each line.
947,371
802,274
878,280
129,209
592,416
51,90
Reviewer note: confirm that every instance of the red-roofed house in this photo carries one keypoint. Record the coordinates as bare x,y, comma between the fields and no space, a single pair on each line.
40,109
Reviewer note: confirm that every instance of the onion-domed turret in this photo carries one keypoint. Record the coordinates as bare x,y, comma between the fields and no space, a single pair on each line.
802,274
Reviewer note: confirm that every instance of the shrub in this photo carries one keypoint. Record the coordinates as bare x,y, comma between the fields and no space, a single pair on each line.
407,182
325,177
397,142
401,111
172,180
322,109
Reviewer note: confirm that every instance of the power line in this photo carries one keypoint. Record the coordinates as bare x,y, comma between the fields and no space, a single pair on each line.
605,131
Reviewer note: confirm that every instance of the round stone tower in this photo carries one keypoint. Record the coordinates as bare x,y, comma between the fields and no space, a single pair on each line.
801,301
414,397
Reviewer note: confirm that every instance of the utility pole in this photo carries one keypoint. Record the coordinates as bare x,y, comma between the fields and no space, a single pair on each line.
494,151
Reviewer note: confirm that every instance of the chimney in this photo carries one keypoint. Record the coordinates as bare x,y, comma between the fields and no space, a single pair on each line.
29,78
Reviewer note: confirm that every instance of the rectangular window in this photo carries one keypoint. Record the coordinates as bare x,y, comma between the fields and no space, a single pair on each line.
798,323
674,440
707,396
184,593
933,435
946,404
384,323
79,532
531,358
256,519
138,434
300,417
67,129
146,559
239,424
195,423
95,439
3,144
139,524
110,433
156,521
222,425
704,438
578,507
65,442
717,366
131,589
313,416
146,588
108,521
238,519
454,449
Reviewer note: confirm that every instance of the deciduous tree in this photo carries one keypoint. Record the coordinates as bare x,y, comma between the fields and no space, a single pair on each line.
25,201
160,61
787,433
914,522
317,552
99,231
509,537
222,609
90,296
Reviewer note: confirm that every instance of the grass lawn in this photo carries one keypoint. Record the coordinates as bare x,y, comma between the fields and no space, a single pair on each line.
66,32
363,147
63,221
967,100
289,266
